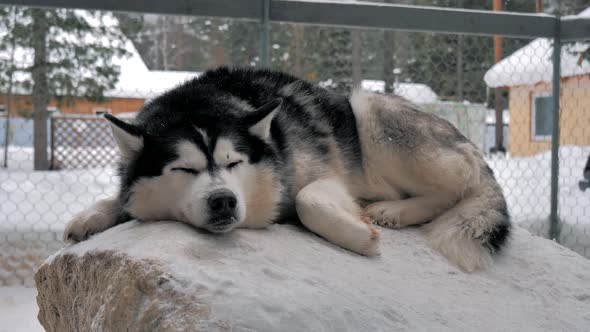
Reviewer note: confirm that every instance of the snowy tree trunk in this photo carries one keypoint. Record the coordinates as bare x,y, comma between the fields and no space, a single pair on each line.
165,47
335,59
460,67
357,55
388,61
179,45
7,122
219,51
459,93
40,89
8,106
156,49
298,57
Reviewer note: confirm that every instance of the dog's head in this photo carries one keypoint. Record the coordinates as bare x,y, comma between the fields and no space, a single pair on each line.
209,165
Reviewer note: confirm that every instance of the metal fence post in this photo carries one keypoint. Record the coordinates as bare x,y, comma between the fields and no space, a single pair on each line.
554,217
52,144
265,34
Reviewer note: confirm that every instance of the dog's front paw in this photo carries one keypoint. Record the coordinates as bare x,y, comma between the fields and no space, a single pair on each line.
370,246
87,223
385,214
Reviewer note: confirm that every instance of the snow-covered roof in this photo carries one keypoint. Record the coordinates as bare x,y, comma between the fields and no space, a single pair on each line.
532,63
415,92
136,80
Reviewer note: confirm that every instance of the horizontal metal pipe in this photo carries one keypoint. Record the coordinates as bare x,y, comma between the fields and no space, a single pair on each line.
338,13
573,28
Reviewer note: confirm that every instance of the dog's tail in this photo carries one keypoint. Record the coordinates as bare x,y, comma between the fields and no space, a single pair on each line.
477,227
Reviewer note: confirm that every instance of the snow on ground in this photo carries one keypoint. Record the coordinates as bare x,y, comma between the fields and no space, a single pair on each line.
18,310
527,186
44,201
20,158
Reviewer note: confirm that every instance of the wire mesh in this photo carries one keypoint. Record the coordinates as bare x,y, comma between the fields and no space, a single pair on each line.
574,151
81,142
452,76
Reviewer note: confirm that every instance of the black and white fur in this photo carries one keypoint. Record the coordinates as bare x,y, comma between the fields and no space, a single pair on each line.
246,148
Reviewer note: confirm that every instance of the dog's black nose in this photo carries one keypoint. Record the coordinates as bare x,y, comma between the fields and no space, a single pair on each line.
222,202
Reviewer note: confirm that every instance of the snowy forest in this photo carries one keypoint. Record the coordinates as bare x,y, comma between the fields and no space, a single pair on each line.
452,65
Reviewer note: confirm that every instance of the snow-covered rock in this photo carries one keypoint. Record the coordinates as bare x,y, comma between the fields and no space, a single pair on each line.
168,276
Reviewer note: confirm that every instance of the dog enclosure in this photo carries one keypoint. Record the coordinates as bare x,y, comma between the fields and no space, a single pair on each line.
81,142
512,81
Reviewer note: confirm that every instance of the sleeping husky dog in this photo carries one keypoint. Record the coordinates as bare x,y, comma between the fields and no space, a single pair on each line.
246,148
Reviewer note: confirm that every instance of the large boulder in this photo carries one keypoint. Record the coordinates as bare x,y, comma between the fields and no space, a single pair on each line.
167,276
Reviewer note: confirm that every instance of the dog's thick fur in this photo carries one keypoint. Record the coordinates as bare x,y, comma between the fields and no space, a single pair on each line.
245,147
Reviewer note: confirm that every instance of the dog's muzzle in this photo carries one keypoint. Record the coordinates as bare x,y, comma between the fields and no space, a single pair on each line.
222,211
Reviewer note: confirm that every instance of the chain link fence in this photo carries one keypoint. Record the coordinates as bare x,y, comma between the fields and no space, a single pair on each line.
574,151
81,142
453,76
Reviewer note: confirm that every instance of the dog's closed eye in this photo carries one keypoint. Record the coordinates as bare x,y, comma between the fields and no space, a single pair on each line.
234,164
186,170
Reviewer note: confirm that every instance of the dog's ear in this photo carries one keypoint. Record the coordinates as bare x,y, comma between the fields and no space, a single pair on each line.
128,137
260,120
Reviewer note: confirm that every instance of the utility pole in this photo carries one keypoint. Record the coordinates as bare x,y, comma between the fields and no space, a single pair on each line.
389,37
499,146
538,6
459,54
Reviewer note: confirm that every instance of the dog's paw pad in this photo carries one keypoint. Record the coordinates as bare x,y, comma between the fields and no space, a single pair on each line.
388,223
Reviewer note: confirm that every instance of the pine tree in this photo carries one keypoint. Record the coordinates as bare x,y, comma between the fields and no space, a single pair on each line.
335,57
8,67
73,53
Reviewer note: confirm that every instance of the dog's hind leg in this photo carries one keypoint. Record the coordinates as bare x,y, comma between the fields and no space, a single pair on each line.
407,212
102,215
327,209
